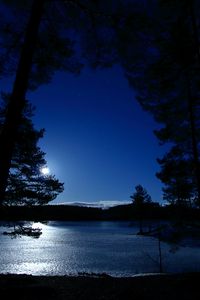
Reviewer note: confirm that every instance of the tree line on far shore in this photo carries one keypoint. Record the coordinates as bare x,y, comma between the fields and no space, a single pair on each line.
127,212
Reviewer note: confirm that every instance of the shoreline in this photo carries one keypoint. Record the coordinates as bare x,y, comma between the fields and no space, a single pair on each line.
157,286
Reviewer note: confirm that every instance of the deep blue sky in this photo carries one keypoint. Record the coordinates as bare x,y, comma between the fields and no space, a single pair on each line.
98,140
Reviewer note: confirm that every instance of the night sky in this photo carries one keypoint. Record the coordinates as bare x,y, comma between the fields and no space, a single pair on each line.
98,140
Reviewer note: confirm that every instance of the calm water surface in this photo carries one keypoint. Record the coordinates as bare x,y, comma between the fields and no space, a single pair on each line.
94,247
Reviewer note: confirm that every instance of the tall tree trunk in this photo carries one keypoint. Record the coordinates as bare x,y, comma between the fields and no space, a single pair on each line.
17,99
194,28
194,138
191,100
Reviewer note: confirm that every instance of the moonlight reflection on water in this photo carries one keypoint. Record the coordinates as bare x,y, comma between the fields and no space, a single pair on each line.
93,247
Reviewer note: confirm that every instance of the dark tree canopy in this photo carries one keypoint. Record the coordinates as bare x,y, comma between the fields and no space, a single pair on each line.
165,76
175,173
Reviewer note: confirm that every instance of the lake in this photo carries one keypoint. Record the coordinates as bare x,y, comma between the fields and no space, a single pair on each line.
71,248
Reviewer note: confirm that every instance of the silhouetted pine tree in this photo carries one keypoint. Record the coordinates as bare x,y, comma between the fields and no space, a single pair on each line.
140,198
26,183
166,76
175,173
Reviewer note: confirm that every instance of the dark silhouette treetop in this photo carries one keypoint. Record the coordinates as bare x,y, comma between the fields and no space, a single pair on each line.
140,196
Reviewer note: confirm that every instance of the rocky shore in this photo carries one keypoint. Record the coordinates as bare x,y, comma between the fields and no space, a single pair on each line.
103,287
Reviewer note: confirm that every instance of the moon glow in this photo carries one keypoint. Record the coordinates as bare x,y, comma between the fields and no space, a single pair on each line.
45,171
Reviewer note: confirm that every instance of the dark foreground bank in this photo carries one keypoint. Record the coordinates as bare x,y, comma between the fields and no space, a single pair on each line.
179,286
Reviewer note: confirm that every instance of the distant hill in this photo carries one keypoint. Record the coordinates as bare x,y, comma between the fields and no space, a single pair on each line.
104,204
